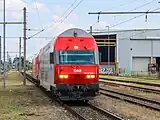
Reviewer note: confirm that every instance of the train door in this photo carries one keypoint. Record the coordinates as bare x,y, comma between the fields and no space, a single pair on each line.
51,66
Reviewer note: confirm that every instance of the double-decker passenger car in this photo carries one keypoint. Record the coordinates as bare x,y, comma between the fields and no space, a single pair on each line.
69,66
35,67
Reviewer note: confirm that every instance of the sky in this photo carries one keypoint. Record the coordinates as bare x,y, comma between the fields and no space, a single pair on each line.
55,16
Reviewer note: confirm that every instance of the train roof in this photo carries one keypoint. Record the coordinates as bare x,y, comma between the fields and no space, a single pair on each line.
67,33
83,40
71,32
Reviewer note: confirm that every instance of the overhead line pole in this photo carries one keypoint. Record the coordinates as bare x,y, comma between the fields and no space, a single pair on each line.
4,33
7,62
4,38
20,54
108,48
0,54
25,28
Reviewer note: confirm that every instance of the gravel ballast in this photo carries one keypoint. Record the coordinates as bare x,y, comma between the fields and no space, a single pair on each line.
133,84
128,90
130,111
90,114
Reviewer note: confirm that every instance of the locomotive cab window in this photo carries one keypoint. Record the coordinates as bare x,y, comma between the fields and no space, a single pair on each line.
77,57
52,58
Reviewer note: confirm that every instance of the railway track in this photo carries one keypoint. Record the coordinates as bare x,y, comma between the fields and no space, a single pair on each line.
90,111
108,113
96,112
145,102
132,86
140,83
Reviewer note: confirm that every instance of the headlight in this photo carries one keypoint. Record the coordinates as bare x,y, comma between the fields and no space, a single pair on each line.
63,76
90,76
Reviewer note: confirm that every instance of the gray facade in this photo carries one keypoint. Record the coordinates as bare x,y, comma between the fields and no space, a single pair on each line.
135,48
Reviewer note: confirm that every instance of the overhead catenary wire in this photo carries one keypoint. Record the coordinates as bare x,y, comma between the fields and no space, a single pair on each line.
68,9
131,19
68,14
139,7
128,20
71,11
123,4
64,11
51,23
114,8
143,5
35,2
60,21
129,10
144,13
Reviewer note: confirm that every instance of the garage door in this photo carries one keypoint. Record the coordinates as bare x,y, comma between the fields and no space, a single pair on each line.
140,64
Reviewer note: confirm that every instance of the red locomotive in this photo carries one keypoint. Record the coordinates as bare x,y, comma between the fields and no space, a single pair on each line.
69,66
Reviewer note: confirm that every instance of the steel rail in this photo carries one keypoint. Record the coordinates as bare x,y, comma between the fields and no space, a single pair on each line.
105,112
140,83
124,97
133,96
132,86
70,109
74,112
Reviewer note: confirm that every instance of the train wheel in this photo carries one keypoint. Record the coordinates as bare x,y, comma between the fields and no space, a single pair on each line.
38,83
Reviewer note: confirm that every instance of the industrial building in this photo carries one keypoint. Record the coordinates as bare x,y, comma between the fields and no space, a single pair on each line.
136,50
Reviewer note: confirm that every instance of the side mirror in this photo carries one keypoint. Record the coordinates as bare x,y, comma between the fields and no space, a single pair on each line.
52,58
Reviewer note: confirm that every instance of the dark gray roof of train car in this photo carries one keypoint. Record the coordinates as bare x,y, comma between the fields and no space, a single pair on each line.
70,33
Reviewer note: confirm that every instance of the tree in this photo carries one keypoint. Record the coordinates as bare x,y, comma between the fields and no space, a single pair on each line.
16,63
1,67
10,61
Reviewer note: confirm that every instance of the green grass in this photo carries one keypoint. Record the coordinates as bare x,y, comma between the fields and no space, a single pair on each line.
155,81
14,99
145,77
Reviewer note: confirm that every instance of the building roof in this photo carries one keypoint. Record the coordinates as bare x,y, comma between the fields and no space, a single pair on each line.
100,32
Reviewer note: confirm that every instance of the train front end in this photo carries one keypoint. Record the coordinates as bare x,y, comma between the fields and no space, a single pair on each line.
76,74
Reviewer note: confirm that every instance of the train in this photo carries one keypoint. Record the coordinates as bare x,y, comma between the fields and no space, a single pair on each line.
68,66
